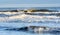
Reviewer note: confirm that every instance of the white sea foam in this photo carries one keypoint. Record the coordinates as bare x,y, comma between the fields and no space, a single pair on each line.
27,18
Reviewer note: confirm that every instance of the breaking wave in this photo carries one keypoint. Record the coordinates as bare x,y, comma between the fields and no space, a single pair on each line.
21,17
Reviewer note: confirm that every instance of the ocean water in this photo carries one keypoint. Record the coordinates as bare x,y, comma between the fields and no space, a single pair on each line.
21,8
18,25
22,20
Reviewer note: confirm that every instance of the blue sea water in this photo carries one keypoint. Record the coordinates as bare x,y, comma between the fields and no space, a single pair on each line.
18,23
21,8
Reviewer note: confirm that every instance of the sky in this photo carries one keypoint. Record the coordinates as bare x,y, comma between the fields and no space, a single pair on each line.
14,2
29,1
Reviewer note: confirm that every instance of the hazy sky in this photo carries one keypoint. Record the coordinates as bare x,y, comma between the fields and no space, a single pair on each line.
29,1
5,3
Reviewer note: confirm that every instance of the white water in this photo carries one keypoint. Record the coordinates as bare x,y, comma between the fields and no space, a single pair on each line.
22,20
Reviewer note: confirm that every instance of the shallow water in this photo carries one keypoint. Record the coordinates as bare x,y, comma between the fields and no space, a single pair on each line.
4,32
18,25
